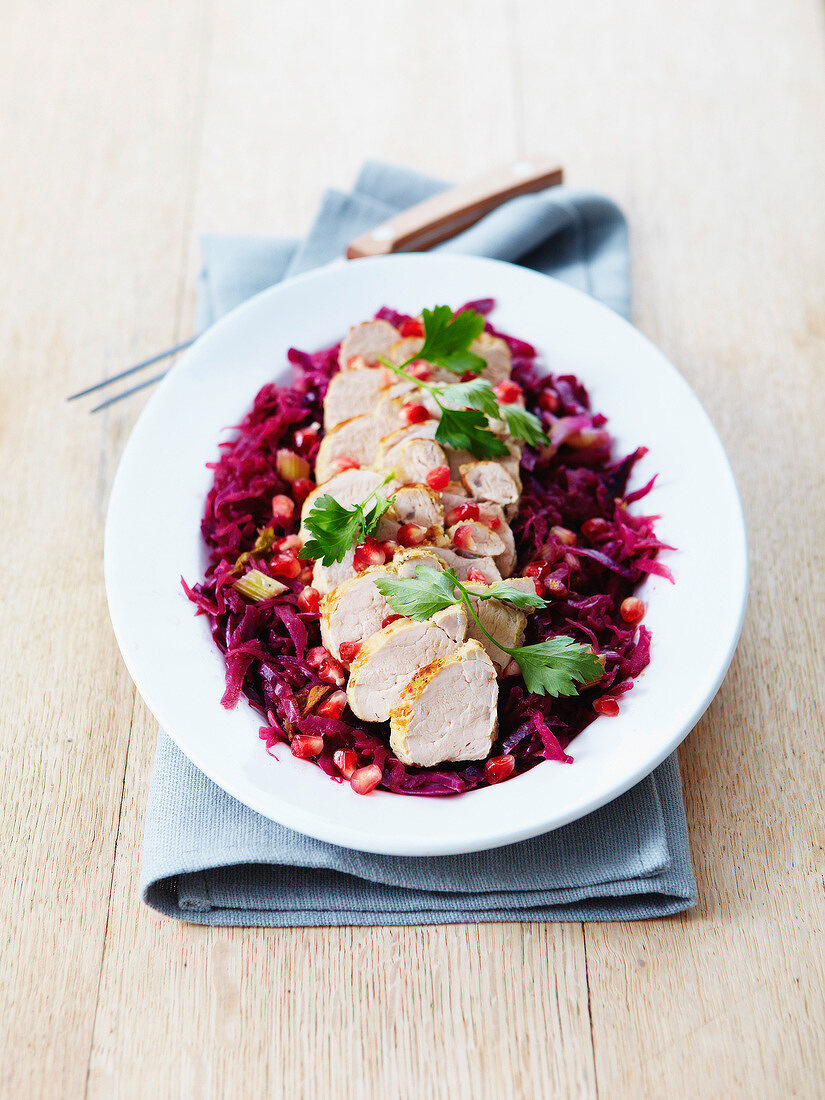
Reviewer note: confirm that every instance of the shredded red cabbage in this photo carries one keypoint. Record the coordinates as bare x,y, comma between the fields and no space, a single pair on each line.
577,486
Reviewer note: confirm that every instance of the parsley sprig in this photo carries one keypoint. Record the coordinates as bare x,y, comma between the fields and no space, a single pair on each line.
466,407
335,528
553,667
447,339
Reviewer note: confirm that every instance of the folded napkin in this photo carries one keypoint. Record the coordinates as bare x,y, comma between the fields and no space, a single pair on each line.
209,859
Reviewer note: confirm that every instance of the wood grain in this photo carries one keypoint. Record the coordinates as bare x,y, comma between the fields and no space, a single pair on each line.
130,130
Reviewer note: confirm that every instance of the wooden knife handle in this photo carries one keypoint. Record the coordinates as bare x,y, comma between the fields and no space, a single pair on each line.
450,212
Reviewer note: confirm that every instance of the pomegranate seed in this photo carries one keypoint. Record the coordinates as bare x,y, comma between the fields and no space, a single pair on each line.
282,507
564,535
438,478
391,548
291,466
411,328
414,413
290,542
306,438
489,520
411,534
286,565
507,392
549,401
356,362
370,552
606,706
349,651
632,610
331,672
346,462
333,706
390,619
535,568
305,576
463,537
317,655
476,576
309,600
364,780
498,768
469,510
346,761
302,488
595,528
538,586
420,369
305,745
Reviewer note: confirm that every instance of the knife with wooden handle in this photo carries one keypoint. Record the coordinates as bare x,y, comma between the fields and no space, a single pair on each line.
448,213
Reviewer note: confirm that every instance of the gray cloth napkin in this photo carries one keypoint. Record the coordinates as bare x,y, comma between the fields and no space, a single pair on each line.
209,859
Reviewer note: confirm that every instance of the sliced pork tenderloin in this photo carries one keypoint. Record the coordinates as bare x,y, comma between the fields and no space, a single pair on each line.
405,349
327,577
354,610
406,562
389,659
447,711
413,459
353,393
462,565
418,504
473,537
367,341
496,354
349,488
505,622
490,480
357,439
394,439
506,560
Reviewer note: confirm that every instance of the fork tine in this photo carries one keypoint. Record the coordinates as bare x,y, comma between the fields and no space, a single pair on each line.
128,393
131,370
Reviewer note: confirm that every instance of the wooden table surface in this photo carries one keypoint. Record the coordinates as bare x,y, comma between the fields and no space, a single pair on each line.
127,130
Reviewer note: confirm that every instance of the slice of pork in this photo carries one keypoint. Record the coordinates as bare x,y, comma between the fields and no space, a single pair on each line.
405,349
327,577
368,340
497,355
418,504
453,495
414,459
349,488
391,399
394,439
389,659
447,711
462,565
406,562
354,610
353,393
358,438
506,560
477,539
490,480
505,622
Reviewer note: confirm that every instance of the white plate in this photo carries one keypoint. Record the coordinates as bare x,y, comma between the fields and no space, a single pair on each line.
153,537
